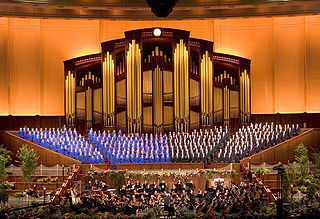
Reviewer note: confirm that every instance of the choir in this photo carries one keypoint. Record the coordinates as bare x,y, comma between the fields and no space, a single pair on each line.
253,139
63,141
199,146
119,148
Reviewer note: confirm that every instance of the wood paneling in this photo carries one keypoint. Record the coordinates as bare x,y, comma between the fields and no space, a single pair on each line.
46,157
285,151
159,166
16,122
305,120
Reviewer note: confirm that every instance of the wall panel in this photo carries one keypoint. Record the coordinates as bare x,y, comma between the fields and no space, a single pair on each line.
289,65
313,63
285,54
3,66
251,38
24,66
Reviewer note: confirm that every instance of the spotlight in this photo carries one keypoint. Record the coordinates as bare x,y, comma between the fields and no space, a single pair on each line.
161,8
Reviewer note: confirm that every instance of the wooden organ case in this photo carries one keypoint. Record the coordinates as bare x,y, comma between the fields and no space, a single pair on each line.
157,80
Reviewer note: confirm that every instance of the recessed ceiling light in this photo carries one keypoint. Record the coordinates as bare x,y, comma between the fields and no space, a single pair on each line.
157,32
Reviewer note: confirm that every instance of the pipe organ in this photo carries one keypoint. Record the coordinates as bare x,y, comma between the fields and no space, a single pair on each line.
148,83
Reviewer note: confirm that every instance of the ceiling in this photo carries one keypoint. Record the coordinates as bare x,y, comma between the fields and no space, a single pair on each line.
139,10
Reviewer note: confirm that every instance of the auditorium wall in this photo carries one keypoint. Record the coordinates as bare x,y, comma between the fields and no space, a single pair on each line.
285,54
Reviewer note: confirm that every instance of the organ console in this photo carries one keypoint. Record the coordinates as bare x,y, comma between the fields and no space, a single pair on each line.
157,83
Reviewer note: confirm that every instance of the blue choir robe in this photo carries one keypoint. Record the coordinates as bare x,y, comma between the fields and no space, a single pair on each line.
38,140
71,153
54,146
42,143
20,133
85,159
80,158
101,159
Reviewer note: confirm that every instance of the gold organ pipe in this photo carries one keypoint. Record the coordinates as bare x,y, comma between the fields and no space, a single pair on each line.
175,78
177,87
242,91
73,98
186,88
210,90
224,103
108,87
129,113
67,100
69,94
180,67
228,104
248,94
104,94
139,88
207,85
113,93
181,86
241,111
201,89
245,94
134,104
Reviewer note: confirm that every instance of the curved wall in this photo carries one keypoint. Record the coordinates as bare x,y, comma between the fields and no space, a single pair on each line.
285,54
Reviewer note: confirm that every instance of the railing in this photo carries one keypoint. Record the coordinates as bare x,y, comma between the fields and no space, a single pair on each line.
234,112
195,125
147,128
81,114
168,97
218,116
66,185
168,127
147,97
121,100
97,117
121,126
195,101
57,170
271,196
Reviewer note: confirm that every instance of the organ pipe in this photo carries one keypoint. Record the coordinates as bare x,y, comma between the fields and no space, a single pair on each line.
73,102
157,100
134,103
226,105
89,107
206,89
108,89
181,87
244,97
70,84
67,99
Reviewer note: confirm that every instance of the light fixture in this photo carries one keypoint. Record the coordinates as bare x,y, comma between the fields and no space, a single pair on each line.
157,32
